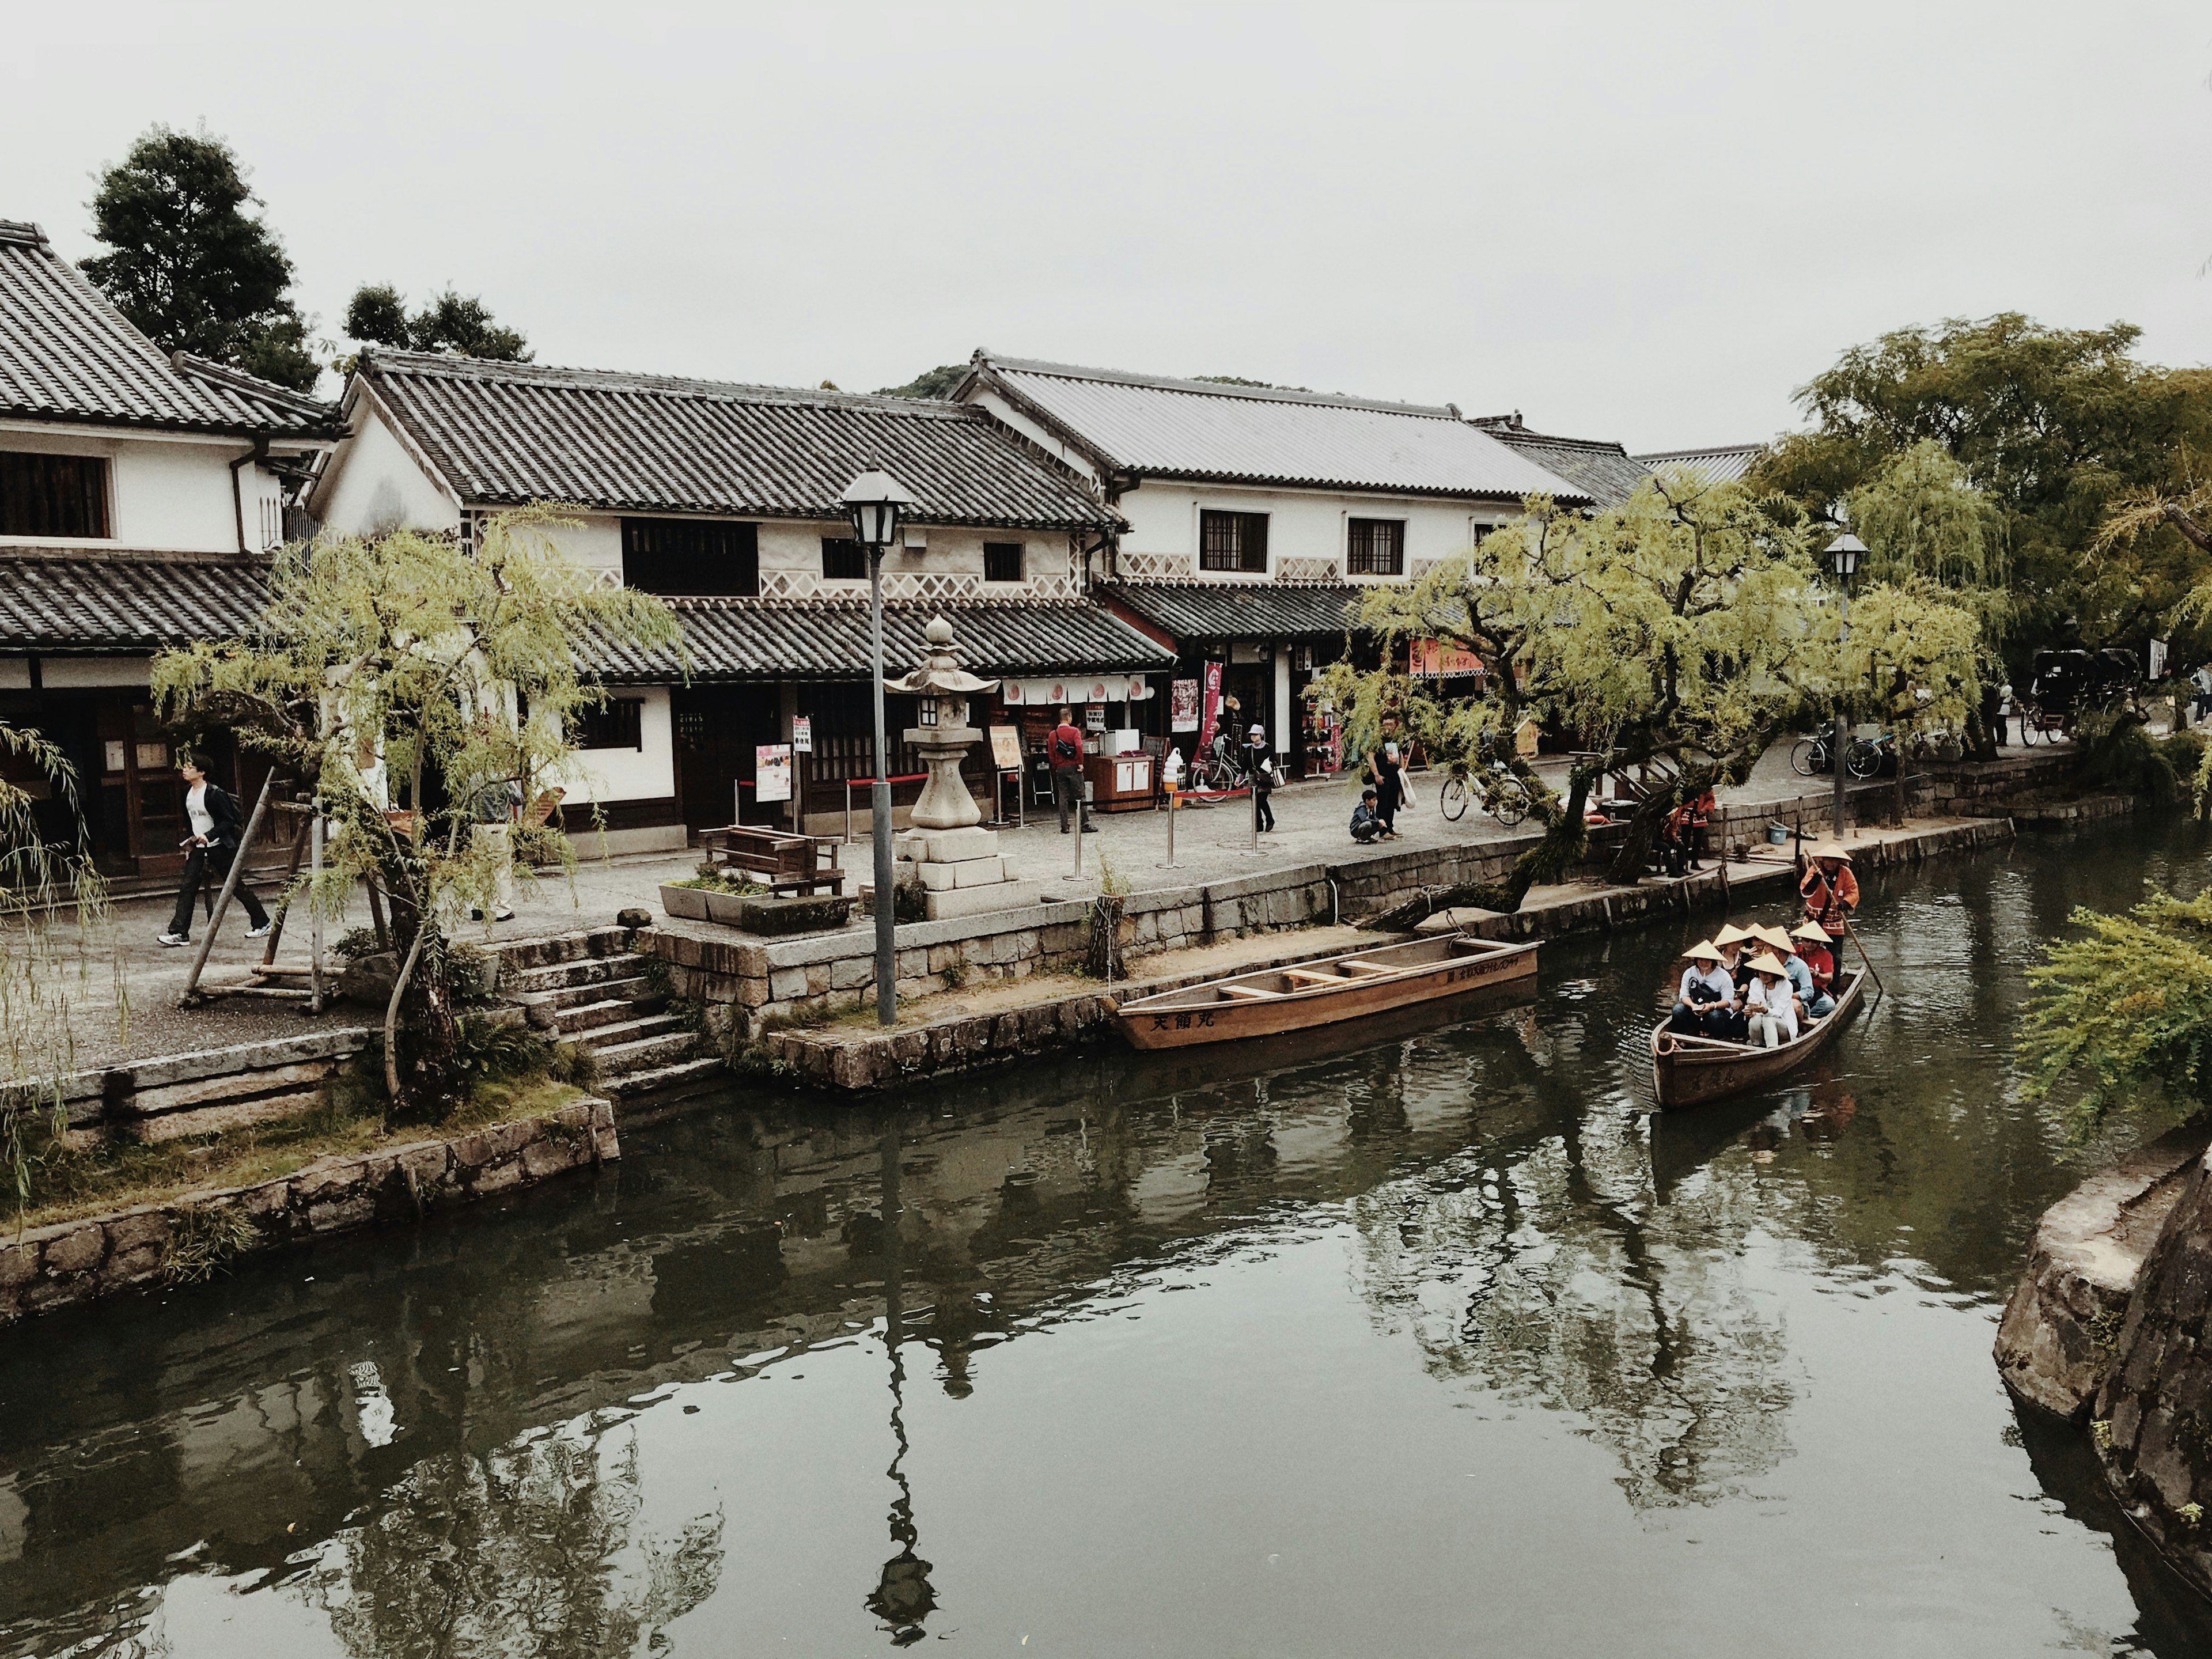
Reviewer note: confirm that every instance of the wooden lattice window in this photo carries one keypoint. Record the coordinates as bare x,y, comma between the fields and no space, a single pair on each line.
689,556
620,724
62,495
1375,547
1002,562
1232,541
843,560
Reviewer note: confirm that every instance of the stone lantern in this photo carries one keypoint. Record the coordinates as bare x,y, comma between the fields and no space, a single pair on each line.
944,736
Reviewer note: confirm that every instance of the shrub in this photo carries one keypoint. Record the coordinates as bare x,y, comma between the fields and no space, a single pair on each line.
204,1241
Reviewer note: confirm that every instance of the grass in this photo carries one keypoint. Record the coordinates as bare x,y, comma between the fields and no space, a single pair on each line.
69,1182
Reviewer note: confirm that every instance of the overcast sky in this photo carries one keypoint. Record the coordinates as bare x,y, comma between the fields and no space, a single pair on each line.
1635,222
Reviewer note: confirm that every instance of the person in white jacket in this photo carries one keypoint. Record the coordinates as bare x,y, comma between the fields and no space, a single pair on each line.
1772,1002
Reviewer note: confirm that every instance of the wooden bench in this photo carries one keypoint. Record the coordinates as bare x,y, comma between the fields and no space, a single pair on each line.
1366,968
779,861
1251,991
1313,978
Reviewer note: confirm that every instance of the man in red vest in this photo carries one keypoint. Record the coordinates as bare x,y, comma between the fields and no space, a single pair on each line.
1064,749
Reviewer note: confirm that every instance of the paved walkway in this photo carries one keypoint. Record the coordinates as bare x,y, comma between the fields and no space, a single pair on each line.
1213,843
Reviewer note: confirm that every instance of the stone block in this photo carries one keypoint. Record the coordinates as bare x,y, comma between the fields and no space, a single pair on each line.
472,1153
546,1155
958,845
786,983
136,1230
76,1250
496,1177
129,1267
850,974
338,1213
974,872
19,1264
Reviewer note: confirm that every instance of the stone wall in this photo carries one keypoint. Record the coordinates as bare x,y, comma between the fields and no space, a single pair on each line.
212,1089
71,1261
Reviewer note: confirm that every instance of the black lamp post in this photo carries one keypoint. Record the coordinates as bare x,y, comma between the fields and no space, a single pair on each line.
1844,556
876,502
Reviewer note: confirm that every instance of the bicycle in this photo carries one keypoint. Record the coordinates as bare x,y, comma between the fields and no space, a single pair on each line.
1864,758
1504,797
1810,759
1212,774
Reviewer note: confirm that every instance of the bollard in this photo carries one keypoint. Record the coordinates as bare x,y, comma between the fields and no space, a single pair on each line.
1173,793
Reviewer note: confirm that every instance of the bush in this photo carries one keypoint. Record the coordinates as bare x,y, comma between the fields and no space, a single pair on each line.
489,1051
2118,752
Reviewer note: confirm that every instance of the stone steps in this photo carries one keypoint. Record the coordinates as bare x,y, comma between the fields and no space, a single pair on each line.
553,948
618,1059
565,975
590,987
593,1017
547,1004
705,1072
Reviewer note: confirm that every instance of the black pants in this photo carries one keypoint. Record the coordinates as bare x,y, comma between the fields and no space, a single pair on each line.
1067,792
1386,807
1262,811
207,866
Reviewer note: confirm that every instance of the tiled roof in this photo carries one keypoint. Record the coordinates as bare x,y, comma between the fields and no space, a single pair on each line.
59,603
1726,463
507,433
68,355
1239,610
1197,430
1603,469
813,639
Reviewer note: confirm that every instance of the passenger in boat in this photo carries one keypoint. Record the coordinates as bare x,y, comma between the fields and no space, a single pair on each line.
1812,969
1830,890
1364,826
1706,986
1770,1003
1730,941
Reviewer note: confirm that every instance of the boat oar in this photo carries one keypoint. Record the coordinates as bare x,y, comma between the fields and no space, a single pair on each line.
1864,958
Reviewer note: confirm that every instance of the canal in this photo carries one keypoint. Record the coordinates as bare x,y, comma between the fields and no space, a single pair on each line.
1433,1341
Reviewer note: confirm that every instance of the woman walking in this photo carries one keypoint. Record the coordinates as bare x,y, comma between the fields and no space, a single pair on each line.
214,844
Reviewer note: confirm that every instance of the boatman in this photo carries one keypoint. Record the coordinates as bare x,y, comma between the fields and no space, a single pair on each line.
1830,890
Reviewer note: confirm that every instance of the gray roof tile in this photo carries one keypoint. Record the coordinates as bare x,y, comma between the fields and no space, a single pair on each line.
1725,464
59,603
507,433
1199,429
1605,470
1239,610
66,353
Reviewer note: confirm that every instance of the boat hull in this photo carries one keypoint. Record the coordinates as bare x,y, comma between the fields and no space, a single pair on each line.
1323,992
1688,1072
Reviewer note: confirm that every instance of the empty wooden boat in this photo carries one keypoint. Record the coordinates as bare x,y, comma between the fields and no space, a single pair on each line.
1323,990
1689,1071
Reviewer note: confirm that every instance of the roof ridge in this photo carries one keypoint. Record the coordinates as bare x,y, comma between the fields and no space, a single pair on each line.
1215,388
380,358
1707,449
22,231
206,369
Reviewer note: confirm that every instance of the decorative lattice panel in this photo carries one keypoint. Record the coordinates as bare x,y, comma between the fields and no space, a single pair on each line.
1054,587
1422,566
789,584
929,586
1155,567
1307,570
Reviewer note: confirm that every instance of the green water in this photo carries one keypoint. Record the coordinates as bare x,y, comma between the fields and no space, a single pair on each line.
1431,1342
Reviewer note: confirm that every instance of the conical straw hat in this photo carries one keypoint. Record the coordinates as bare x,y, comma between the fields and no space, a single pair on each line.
1703,950
1730,934
1765,962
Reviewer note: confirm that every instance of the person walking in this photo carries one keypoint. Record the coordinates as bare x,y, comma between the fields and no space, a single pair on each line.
1064,748
496,808
1259,766
215,833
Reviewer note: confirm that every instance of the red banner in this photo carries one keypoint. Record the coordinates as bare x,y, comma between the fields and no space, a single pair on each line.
1439,659
1210,699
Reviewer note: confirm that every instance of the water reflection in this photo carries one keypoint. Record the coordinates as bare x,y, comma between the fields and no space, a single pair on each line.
471,1439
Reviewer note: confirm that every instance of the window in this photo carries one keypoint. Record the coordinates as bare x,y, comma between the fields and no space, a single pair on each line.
843,559
689,556
1232,541
53,495
1002,562
1375,547
619,725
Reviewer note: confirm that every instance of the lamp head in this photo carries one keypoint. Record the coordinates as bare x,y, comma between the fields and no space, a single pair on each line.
1844,555
875,502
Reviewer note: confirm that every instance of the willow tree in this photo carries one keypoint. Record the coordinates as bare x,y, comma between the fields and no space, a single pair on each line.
1675,635
46,966
405,678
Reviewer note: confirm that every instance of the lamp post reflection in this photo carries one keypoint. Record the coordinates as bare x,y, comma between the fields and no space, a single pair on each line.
903,1596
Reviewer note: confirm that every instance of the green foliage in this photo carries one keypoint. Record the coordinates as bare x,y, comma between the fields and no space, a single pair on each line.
1238,379
356,942
2053,425
715,879
190,265
2125,1009
205,1240
938,383
491,1050
573,1064
459,324
2118,752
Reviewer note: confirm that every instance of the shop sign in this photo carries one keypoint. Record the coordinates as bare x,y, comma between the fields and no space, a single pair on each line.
1007,748
772,772
802,734
1210,706
1183,709
1437,660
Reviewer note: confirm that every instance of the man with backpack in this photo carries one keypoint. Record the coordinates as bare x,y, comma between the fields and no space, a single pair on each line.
1064,749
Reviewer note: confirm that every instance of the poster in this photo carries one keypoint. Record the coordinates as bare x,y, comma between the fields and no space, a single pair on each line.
802,734
1183,710
772,772
1007,748
1211,707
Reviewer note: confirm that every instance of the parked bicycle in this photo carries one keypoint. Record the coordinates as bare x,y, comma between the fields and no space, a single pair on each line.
1863,758
1504,797
1215,773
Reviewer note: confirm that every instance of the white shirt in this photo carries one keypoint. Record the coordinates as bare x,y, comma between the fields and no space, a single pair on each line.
1715,978
1779,1003
196,809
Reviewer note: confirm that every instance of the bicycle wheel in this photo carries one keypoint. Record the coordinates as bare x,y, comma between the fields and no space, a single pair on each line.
1804,755
1452,799
1862,759
1509,801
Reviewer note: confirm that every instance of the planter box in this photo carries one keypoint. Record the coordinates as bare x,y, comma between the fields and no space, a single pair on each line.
790,912
725,908
689,902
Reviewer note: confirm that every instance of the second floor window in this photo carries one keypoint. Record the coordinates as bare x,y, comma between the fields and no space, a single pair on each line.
1375,547
1002,562
691,557
843,560
1232,541
620,724
61,496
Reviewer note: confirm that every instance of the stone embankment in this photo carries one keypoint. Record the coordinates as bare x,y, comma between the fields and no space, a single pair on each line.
72,1262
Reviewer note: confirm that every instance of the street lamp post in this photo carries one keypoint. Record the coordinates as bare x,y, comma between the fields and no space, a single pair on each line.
1843,556
876,501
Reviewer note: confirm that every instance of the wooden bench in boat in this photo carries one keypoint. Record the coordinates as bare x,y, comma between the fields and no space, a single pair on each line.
1367,967
1311,977
1248,991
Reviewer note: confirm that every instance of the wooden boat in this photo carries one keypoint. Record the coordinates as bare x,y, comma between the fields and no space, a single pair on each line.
1689,1071
1273,1000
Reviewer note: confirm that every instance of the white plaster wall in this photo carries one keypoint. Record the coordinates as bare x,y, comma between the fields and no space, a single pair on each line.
66,673
646,774
169,494
595,540
374,484
1073,460
1162,517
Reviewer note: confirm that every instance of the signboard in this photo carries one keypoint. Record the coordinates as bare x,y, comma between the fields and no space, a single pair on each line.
2158,659
1209,707
1437,660
802,734
772,772
1007,748
1183,711
1094,717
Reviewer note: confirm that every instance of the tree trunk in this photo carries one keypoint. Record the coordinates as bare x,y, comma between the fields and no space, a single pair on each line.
2154,1413
1628,864
1550,860
422,1065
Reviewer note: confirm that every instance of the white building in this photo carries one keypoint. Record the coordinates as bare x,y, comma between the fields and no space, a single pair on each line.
140,493
1256,515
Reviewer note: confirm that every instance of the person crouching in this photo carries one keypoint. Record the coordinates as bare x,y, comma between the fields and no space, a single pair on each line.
1366,826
